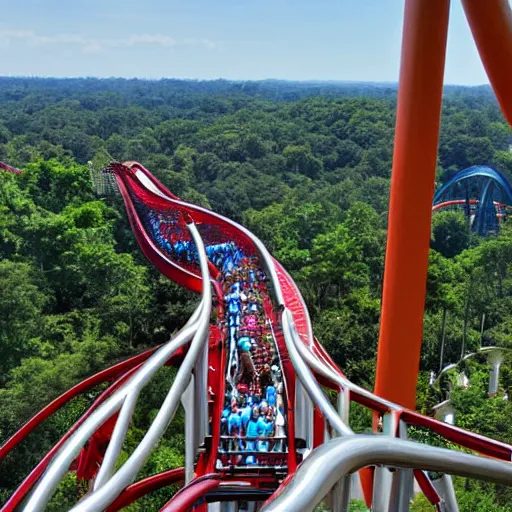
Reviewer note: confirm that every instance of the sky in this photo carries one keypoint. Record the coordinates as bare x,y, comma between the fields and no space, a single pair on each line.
355,40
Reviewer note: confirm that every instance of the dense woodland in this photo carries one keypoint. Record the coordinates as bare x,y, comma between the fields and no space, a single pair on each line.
304,166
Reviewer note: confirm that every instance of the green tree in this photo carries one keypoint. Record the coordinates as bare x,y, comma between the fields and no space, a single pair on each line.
299,159
21,306
450,233
54,185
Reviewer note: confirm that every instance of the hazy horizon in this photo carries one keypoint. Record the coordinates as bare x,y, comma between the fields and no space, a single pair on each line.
231,39
232,80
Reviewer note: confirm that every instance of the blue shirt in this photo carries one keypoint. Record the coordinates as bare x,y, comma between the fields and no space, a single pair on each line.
234,421
254,428
246,415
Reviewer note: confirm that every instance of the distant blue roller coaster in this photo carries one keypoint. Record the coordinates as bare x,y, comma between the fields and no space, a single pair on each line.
483,193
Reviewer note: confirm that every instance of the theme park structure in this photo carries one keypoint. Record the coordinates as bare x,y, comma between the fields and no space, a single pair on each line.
484,194
252,380
261,431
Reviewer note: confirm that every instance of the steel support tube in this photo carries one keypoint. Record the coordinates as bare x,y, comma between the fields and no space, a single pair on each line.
445,489
495,360
200,404
342,456
103,497
187,401
307,379
491,24
58,468
413,175
341,491
303,416
116,441
402,481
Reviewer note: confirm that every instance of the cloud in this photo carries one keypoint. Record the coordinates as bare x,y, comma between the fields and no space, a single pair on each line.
137,39
97,45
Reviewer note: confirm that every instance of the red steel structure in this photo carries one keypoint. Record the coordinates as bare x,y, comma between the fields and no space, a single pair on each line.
417,133
9,168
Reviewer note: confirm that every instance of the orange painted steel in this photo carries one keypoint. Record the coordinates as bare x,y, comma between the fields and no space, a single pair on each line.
491,24
414,163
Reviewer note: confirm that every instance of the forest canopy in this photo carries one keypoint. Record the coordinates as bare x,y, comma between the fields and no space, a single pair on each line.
305,166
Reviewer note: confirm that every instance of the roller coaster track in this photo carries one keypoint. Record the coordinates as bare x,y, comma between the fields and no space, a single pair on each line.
9,168
181,240
484,194
318,450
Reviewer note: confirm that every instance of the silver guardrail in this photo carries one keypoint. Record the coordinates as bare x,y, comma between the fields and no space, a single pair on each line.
323,469
110,486
327,464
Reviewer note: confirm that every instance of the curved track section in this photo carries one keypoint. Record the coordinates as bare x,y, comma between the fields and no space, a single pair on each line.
9,168
483,193
340,457
252,382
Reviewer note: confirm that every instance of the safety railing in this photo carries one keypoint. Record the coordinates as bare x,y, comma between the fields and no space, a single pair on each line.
338,458
246,444
108,485
312,365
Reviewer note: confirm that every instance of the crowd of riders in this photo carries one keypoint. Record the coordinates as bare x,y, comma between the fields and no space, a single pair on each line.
253,418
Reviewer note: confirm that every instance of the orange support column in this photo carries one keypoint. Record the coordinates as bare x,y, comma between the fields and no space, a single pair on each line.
412,189
491,25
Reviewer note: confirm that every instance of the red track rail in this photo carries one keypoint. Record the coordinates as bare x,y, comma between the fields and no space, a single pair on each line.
89,383
121,370
459,436
458,202
143,487
9,168
184,500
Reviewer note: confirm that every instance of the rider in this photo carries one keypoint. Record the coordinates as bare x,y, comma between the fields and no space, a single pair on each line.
254,430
